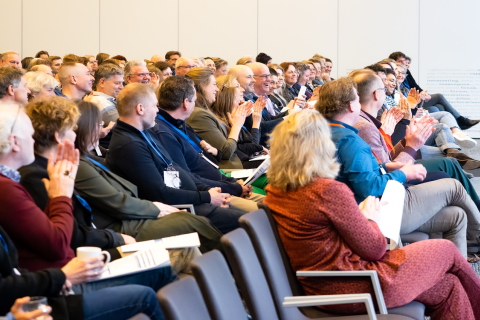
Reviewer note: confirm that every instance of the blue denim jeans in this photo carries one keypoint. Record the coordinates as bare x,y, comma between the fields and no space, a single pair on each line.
445,118
438,142
121,303
439,99
155,279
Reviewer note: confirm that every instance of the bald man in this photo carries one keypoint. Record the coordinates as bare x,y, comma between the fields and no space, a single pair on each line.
183,65
75,79
157,58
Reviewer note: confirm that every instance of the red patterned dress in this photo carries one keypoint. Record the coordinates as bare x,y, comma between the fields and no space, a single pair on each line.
322,228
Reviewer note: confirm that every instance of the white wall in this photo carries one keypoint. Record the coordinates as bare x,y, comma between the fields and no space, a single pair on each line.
438,35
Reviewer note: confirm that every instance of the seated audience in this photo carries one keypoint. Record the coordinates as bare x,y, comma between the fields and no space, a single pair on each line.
100,58
10,58
114,201
136,71
53,122
165,71
303,71
41,86
92,63
75,79
56,63
25,61
221,67
431,101
171,58
313,72
318,64
185,147
303,166
116,303
328,69
157,58
137,156
184,65
13,86
42,54
371,92
448,203
276,83
155,74
263,58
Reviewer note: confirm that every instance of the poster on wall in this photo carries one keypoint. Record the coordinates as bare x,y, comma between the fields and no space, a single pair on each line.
461,87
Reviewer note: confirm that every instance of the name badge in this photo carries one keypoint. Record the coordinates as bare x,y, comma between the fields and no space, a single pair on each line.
213,164
172,179
383,170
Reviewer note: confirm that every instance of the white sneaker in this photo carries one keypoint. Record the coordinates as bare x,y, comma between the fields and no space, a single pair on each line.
463,140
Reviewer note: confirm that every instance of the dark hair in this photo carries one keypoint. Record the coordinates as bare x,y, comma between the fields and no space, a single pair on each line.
110,61
286,65
101,57
408,58
174,91
87,126
53,58
273,72
376,68
39,53
328,60
395,55
162,65
83,60
119,57
106,71
26,62
263,58
9,76
334,97
172,53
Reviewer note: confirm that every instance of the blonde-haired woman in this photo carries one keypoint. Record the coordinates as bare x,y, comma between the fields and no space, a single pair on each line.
41,86
323,228
206,124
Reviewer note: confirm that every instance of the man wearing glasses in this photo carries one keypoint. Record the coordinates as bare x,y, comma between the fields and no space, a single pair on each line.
136,72
13,86
10,58
183,65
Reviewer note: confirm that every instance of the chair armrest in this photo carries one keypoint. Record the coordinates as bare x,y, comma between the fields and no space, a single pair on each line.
188,207
309,301
371,273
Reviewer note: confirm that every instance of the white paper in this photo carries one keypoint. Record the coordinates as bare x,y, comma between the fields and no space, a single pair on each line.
155,256
258,172
188,240
312,103
240,174
391,214
262,157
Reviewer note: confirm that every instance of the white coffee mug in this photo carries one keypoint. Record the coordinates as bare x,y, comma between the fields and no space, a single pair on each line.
91,252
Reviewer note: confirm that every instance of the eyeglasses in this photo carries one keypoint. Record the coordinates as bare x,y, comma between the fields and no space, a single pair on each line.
264,76
384,89
15,121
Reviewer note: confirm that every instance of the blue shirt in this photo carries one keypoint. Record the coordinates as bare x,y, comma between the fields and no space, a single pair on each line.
359,169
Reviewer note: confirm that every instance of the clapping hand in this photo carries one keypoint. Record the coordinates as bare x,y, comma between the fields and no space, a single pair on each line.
154,79
237,117
388,122
208,148
107,129
62,170
404,106
413,97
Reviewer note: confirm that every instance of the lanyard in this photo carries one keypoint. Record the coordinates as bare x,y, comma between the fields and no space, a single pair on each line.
339,125
83,202
183,134
157,150
388,140
4,243
98,164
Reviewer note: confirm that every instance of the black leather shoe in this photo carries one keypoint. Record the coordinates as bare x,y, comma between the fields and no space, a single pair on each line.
466,123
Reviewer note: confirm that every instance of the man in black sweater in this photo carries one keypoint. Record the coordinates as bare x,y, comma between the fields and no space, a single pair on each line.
176,99
135,154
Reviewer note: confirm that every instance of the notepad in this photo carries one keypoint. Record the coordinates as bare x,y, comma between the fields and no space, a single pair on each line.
391,214
188,240
240,174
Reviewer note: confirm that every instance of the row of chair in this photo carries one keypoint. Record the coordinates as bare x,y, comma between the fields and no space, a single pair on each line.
266,281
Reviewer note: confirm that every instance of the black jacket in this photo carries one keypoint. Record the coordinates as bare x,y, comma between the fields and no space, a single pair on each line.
84,234
185,155
47,283
133,159
411,81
